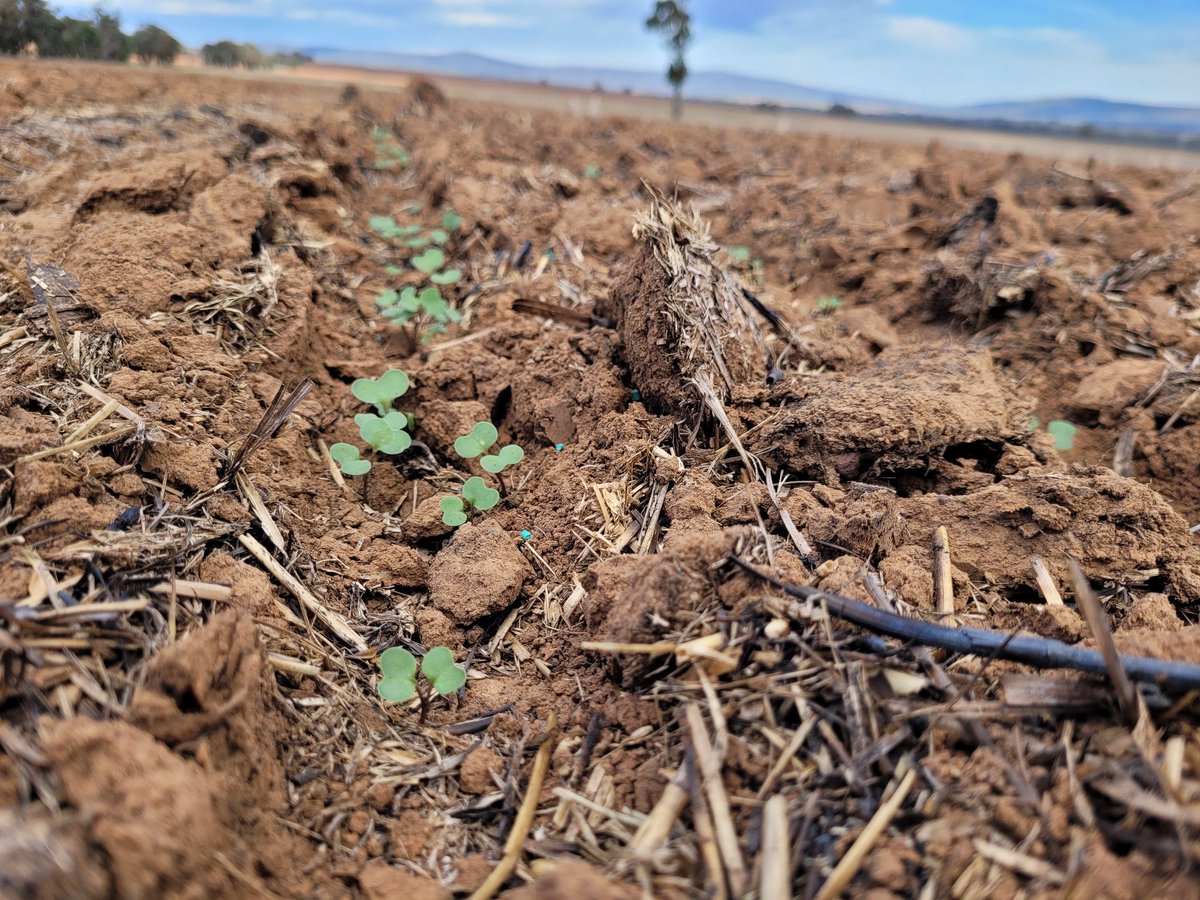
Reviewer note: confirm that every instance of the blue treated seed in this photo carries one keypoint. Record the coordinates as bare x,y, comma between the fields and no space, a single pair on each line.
525,535
637,395
558,447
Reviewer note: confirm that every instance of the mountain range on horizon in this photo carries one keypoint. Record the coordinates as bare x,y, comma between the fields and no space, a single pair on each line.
1109,115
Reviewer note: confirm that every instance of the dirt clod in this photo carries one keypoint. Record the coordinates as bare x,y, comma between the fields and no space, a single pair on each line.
478,573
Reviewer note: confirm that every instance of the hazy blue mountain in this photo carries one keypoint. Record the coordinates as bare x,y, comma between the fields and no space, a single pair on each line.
727,86
1089,111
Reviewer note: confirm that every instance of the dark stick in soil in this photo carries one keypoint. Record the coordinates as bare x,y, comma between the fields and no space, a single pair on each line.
1042,653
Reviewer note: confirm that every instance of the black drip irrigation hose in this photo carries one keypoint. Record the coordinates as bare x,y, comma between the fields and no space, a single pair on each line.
1042,653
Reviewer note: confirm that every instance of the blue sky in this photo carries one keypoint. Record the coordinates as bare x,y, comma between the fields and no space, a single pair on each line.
926,51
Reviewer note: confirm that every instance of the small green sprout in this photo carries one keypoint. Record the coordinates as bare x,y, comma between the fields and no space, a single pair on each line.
386,434
738,253
453,513
439,236
438,666
476,492
381,391
401,306
1063,433
1061,430
385,226
829,304
450,276
482,436
451,221
388,153
506,456
429,261
348,459
591,170
399,681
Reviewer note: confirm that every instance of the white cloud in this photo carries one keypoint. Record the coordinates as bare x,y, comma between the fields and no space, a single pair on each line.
928,33
478,18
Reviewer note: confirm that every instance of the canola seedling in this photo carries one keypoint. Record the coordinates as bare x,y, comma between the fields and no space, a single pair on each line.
399,683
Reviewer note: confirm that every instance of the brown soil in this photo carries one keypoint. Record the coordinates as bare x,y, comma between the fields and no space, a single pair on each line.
232,743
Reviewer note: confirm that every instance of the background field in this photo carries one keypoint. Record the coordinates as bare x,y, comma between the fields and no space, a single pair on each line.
189,632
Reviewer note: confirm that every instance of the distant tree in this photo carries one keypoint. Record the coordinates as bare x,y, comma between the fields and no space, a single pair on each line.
79,39
230,55
23,22
114,43
671,18
841,109
290,60
222,53
250,56
153,44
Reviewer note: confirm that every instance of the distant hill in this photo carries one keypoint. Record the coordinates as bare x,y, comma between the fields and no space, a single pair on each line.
1104,115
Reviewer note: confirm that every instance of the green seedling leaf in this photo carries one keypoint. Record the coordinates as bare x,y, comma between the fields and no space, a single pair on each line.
385,226
1034,424
385,433
1063,433
476,492
506,456
591,170
438,236
348,459
829,304
431,301
452,511
429,261
438,666
452,221
399,681
383,390
409,300
387,298
482,436
740,254
511,454
450,276
405,306
417,242
392,269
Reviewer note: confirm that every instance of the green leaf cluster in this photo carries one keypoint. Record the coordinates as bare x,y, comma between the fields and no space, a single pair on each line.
389,153
399,668
399,307
482,436
381,391
348,459
476,494
385,430
425,307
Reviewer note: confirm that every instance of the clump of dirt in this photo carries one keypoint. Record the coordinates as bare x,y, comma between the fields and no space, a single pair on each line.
900,414
686,327
160,816
423,96
477,573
